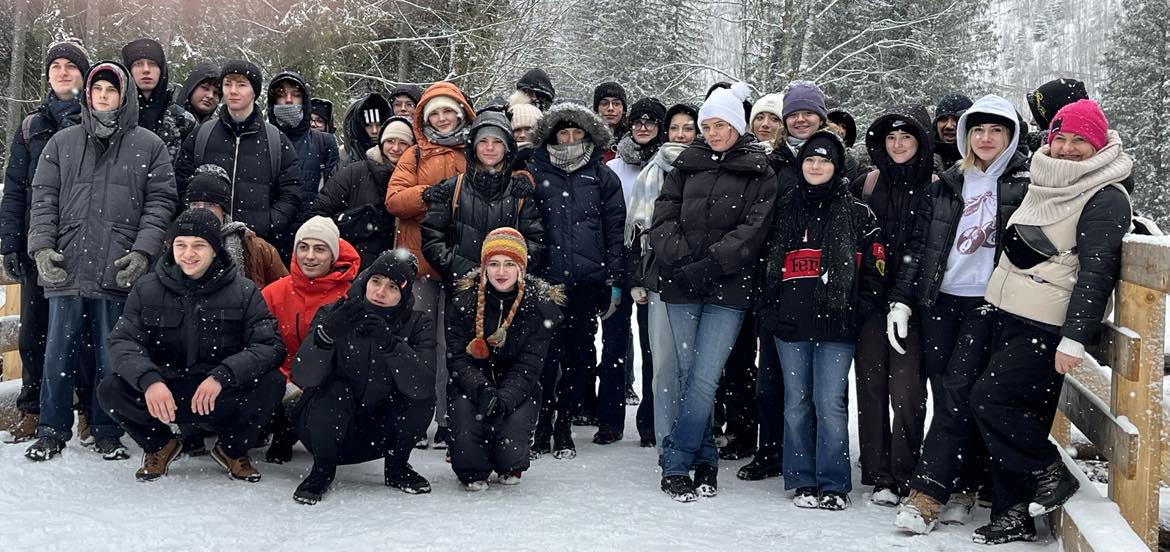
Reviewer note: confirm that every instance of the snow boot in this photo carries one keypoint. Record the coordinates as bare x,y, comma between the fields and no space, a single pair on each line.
239,469
647,442
918,513
442,438
563,447
1054,486
111,448
25,429
884,495
759,469
314,486
404,478
607,436
84,433
44,448
511,478
1013,525
679,487
706,484
958,509
156,464
833,500
806,497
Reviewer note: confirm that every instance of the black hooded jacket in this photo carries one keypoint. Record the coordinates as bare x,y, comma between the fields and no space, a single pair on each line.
161,115
316,150
354,198
356,140
203,71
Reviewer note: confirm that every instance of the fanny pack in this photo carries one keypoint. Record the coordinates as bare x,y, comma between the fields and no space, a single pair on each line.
1027,246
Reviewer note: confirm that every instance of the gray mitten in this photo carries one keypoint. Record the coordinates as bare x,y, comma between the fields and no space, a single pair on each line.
132,265
47,261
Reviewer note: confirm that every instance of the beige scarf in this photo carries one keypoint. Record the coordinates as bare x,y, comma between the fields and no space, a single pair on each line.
1060,188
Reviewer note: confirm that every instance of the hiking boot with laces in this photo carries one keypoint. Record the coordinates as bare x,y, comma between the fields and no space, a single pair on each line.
1054,486
918,513
44,448
111,448
238,468
958,509
25,428
155,464
1012,525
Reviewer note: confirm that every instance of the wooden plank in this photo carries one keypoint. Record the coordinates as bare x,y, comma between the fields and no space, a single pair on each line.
1144,261
1119,349
1143,310
1061,430
1115,440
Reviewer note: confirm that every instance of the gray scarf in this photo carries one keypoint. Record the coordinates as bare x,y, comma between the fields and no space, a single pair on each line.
233,241
457,137
107,123
288,116
570,157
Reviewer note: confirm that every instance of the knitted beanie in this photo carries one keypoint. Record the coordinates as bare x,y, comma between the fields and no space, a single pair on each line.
144,48
320,228
726,104
609,90
69,50
199,223
769,103
209,184
805,96
525,115
397,127
1083,118
436,102
247,69
1051,96
510,243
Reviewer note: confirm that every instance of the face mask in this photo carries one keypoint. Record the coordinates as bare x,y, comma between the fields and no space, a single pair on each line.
288,115
107,123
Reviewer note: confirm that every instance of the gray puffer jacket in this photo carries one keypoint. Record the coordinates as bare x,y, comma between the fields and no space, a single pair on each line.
95,200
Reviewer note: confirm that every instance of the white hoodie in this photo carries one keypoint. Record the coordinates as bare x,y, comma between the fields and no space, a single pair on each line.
972,257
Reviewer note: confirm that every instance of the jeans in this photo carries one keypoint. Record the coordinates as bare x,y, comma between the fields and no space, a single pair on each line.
68,317
34,330
703,336
816,420
665,376
429,297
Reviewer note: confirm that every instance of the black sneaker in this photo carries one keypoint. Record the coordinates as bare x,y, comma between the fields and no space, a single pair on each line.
44,448
280,451
563,447
1054,486
111,448
442,438
314,485
737,449
806,497
759,469
404,477
647,442
607,436
833,500
706,480
1013,525
583,420
541,445
632,397
679,487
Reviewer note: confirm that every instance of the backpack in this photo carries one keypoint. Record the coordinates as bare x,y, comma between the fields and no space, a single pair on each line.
871,180
272,134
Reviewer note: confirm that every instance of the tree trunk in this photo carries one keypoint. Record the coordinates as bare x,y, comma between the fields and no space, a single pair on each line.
16,69
93,14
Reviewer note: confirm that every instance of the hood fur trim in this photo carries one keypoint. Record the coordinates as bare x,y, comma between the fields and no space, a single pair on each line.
595,128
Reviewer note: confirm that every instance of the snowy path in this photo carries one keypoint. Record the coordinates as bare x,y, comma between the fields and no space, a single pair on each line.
606,499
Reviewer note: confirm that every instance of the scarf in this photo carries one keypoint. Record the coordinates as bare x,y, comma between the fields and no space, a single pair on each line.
633,153
794,144
1060,189
233,242
640,211
107,123
456,137
570,157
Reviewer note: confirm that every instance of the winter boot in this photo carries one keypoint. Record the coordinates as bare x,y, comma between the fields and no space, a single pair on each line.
833,500
918,513
647,442
111,448
1054,486
632,397
679,487
1012,525
737,448
806,497
958,509
84,433
884,495
314,486
706,484
404,478
759,469
584,420
44,448
476,486
442,438
238,468
155,464
607,436
280,450
511,478
541,445
563,447
25,428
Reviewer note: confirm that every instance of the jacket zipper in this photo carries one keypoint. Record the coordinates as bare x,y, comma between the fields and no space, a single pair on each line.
235,164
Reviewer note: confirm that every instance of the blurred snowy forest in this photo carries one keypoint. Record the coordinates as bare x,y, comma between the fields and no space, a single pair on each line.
867,54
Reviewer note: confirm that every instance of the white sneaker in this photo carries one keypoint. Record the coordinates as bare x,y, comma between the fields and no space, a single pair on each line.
475,486
884,496
957,510
510,478
806,499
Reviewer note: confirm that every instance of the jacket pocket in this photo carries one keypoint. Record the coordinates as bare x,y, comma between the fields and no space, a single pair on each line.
163,329
221,332
69,244
119,244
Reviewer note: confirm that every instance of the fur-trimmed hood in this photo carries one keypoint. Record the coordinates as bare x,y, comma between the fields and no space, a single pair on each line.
595,128
534,287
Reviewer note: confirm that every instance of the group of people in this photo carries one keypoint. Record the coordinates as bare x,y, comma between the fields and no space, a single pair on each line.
193,269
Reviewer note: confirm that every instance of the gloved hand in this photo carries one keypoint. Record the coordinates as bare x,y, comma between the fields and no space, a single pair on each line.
48,262
897,324
700,275
615,299
132,265
14,266
487,401
337,321
639,296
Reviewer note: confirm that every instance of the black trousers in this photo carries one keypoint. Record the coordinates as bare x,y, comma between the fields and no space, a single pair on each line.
616,344
565,379
239,416
1014,403
645,416
888,380
34,331
770,403
957,335
499,444
735,405
333,428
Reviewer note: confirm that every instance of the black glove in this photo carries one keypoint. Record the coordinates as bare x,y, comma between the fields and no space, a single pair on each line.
700,275
337,321
488,401
14,266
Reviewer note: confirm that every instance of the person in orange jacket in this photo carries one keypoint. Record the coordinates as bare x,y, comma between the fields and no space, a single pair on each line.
441,123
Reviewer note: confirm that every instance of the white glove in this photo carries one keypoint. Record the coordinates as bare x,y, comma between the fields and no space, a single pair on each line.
639,295
897,324
291,392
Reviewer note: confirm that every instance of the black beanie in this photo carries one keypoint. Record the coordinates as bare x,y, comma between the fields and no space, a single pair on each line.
1053,95
200,223
982,118
562,125
825,143
324,110
400,265
69,50
649,109
952,104
409,90
108,75
609,90
247,69
209,184
144,48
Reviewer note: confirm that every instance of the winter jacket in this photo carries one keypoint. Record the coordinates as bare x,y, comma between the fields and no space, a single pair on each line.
161,115
355,198
513,368
710,223
268,203
356,139
584,213
316,150
97,200
375,369
295,298
260,261
202,71
24,154
173,327
793,274
453,230
421,166
896,191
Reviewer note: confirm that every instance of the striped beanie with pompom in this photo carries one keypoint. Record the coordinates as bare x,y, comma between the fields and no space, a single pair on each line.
510,243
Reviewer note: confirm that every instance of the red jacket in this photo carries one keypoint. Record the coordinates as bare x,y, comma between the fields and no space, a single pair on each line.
294,299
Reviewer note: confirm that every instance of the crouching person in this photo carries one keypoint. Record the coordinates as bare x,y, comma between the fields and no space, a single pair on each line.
368,378
195,344
501,324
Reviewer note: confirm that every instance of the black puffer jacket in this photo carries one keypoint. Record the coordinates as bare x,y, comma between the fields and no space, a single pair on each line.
897,189
513,368
202,71
936,223
356,139
316,150
374,369
710,223
173,327
268,203
354,199
452,235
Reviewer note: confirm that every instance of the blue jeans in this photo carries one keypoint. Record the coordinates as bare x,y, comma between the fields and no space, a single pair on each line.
665,360
816,422
703,336
67,319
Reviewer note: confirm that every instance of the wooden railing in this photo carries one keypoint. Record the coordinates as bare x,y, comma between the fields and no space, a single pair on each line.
1115,398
